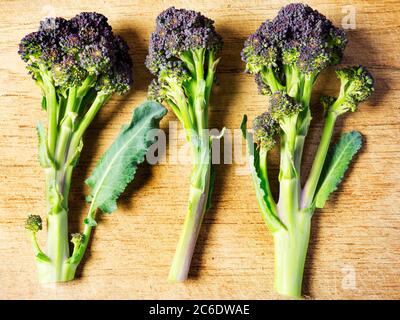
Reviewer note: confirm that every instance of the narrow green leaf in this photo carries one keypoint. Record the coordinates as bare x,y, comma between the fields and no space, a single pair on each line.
272,221
336,165
44,156
117,166
44,104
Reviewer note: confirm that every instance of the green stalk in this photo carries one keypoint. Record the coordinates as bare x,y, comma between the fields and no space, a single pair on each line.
198,198
288,186
52,109
212,65
269,77
290,254
201,172
79,252
51,103
50,270
199,99
57,190
67,148
294,81
66,128
69,265
99,101
290,243
319,160
57,231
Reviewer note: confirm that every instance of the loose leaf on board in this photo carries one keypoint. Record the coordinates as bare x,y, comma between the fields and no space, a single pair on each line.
118,164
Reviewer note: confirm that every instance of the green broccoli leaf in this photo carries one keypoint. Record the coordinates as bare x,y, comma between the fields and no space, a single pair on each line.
336,165
271,220
118,165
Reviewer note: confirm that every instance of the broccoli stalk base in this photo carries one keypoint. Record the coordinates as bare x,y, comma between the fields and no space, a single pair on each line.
55,268
198,199
290,255
291,238
291,242
189,101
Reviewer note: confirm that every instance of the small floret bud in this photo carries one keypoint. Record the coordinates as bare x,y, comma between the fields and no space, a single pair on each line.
283,106
265,129
33,223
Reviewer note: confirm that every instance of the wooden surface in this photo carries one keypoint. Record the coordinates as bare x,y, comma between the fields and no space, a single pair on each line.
355,246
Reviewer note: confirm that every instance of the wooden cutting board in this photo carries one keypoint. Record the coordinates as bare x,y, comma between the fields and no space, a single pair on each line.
355,246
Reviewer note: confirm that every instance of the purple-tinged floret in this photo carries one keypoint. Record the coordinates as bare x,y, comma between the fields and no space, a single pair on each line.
91,26
265,129
182,19
72,50
263,88
298,35
180,31
281,105
34,223
357,85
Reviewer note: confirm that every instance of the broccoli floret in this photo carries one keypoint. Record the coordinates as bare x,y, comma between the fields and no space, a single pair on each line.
33,223
286,55
357,84
183,56
265,129
182,52
78,65
283,106
67,52
77,239
298,41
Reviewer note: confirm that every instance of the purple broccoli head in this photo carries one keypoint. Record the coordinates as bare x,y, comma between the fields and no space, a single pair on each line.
298,35
72,50
180,31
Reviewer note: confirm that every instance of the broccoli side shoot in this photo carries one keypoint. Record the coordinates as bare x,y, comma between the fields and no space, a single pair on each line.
286,55
78,64
183,57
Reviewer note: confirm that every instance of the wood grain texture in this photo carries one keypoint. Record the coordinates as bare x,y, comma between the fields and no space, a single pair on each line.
358,233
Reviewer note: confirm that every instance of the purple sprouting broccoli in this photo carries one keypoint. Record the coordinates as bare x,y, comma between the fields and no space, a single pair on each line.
286,55
78,64
288,52
183,56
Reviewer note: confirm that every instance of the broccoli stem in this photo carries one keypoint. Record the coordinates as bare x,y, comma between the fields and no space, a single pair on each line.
198,198
57,191
291,243
193,113
269,77
319,160
58,180
99,101
79,252
290,254
57,231
52,108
